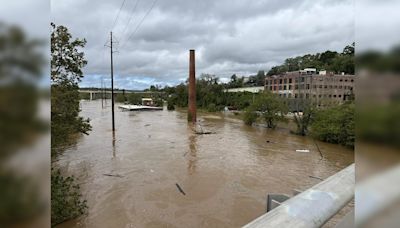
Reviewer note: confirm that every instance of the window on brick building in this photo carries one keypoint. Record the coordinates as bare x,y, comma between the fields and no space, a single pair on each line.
308,86
290,80
284,87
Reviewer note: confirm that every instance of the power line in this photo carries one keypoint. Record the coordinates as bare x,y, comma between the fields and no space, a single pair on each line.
130,17
116,19
140,23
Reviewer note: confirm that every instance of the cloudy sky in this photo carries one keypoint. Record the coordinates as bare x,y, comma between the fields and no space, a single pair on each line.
229,36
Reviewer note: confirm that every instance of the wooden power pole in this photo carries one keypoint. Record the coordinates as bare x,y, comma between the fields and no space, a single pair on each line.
112,83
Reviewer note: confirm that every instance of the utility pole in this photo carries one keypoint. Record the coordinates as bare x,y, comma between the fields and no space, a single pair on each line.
112,82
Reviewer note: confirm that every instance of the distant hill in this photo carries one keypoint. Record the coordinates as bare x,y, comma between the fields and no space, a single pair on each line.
328,60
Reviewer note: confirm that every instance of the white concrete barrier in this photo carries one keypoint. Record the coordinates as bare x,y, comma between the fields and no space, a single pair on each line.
313,207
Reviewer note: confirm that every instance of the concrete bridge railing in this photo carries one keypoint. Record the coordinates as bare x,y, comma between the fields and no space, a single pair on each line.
313,207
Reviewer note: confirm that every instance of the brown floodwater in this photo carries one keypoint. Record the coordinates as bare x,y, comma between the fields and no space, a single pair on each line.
129,179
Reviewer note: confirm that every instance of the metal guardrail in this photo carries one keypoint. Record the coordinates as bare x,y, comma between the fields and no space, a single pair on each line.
313,207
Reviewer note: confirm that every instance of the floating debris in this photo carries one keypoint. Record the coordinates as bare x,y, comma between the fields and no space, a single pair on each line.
316,177
303,151
180,189
146,125
112,175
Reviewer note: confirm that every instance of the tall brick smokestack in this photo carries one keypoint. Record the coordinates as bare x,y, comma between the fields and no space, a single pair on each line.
192,88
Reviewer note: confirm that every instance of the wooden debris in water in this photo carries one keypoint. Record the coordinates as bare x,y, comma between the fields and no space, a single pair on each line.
316,178
180,189
112,175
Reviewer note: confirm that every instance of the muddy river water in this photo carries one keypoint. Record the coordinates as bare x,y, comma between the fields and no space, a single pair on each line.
130,179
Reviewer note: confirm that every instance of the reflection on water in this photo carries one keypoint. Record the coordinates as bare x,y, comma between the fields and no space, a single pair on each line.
226,176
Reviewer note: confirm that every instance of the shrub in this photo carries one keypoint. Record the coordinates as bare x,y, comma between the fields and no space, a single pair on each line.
66,200
120,98
250,117
335,125
134,98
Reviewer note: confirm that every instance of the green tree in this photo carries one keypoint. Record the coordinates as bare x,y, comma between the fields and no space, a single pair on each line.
134,98
303,121
335,124
66,71
120,98
270,108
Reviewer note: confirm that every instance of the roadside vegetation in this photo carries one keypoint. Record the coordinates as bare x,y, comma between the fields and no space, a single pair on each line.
66,71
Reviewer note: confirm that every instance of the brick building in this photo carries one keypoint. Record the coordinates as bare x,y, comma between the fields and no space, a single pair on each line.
319,87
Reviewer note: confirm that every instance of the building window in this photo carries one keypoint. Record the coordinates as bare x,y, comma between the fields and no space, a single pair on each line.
345,80
280,81
280,87
314,96
320,96
341,80
295,95
284,87
340,87
290,87
320,86
340,95
330,95
307,95
302,79
352,80
285,81
296,87
334,95
325,86
290,80
335,86
308,86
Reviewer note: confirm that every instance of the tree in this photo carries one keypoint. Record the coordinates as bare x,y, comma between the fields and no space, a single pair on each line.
335,124
134,99
260,78
303,121
269,107
66,60
66,71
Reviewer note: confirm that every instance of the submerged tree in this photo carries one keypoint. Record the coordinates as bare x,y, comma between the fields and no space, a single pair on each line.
269,107
66,71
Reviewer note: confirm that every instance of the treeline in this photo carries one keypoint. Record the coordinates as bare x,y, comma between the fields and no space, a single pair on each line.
210,95
333,124
329,60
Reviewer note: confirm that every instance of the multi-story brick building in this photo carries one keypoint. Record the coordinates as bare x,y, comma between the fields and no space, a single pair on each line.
319,87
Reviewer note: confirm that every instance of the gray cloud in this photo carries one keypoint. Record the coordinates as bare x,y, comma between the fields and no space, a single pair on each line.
230,36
